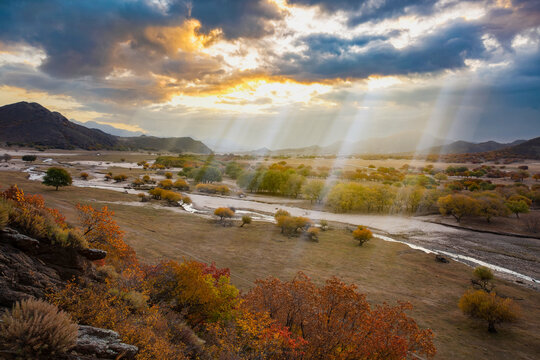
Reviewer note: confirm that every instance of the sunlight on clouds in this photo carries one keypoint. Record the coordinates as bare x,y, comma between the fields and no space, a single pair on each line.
257,96
382,82
185,37
21,54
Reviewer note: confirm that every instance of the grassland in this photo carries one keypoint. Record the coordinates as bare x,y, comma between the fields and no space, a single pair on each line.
384,271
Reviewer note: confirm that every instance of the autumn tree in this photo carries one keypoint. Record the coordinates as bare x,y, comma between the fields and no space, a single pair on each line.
337,322
490,205
168,175
488,307
99,229
84,176
362,234
57,177
187,288
458,206
224,213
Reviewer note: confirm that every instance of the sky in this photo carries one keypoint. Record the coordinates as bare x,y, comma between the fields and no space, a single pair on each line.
247,74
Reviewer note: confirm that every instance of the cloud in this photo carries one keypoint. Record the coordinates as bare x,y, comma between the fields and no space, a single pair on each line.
334,57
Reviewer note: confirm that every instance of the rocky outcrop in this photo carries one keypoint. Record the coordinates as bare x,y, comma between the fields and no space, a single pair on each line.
102,344
29,268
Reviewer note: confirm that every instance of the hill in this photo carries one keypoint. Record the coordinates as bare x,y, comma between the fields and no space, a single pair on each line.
463,147
528,150
178,145
30,124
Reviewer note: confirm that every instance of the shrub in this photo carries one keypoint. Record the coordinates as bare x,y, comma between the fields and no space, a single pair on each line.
171,196
213,189
35,328
281,212
181,184
313,233
186,199
120,177
84,176
146,179
324,225
69,238
168,175
289,224
166,184
362,234
137,182
489,307
108,177
246,219
28,222
57,177
482,277
223,212
156,193
29,158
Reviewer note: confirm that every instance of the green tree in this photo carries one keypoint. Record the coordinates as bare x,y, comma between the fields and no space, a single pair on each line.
518,204
313,190
57,177
208,174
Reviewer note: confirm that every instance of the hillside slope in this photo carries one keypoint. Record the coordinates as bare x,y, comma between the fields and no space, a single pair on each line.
30,124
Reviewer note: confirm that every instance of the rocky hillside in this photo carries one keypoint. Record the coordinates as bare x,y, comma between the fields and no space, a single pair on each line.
30,124
30,268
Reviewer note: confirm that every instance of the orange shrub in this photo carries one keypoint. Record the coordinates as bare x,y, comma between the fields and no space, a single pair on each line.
362,234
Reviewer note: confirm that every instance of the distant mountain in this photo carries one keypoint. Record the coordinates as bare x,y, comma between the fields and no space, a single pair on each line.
463,147
175,144
528,150
109,129
405,142
30,124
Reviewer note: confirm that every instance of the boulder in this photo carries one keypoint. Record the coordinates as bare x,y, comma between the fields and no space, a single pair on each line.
102,344
93,254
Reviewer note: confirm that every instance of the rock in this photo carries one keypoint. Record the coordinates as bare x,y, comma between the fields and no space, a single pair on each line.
93,254
20,241
441,259
102,344
30,268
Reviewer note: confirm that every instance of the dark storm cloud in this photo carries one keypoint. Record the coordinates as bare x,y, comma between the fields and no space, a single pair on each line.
81,38
236,18
446,49
362,11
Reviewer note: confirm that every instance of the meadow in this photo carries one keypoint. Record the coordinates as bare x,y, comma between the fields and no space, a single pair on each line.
384,271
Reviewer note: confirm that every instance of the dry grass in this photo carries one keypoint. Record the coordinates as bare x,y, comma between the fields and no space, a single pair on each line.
385,271
35,327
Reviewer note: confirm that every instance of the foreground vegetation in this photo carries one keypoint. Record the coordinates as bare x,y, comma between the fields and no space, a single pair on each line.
167,309
386,271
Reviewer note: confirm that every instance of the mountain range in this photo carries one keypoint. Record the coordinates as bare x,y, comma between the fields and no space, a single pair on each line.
30,124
